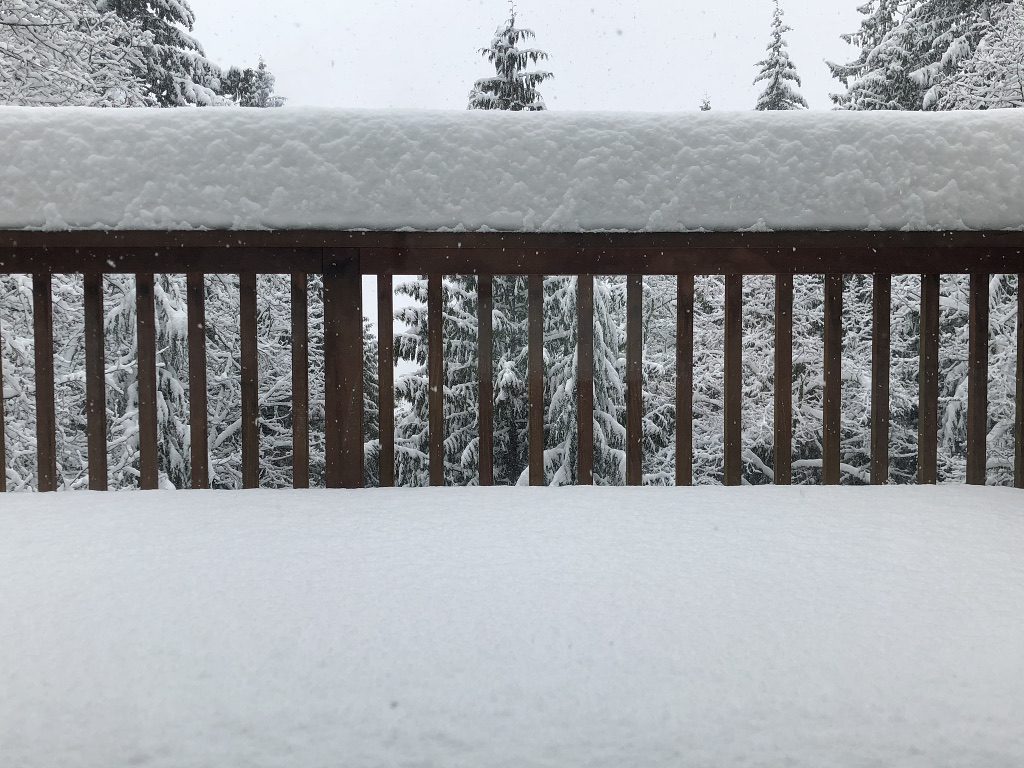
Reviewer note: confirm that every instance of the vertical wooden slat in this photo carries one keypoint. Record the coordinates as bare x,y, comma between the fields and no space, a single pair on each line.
3,426
199,450
435,376
733,379
783,379
300,380
833,378
634,380
95,382
250,380
881,305
535,313
928,383
684,379
46,418
386,379
145,332
977,381
585,380
1018,432
343,368
485,351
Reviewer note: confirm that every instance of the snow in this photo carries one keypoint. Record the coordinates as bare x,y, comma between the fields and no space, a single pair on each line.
331,169
513,627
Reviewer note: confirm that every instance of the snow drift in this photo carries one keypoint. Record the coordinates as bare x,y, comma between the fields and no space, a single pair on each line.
492,628
537,172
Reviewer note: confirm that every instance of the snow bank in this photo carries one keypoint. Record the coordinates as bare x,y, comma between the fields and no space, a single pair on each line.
537,172
513,627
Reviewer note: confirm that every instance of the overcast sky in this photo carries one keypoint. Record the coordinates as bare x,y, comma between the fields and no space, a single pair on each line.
628,55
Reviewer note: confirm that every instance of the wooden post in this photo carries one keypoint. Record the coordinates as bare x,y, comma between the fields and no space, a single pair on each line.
684,379
343,368
783,379
145,333
881,346
199,452
250,382
535,313
634,380
733,379
928,384
485,351
833,378
1018,431
95,382
435,376
46,417
977,381
3,426
386,379
585,380
300,379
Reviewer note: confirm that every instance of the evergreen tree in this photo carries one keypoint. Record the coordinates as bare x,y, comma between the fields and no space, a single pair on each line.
909,48
250,87
175,66
512,87
69,53
778,71
993,77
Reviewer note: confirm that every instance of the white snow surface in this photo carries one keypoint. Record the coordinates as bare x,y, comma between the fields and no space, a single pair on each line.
71,168
513,627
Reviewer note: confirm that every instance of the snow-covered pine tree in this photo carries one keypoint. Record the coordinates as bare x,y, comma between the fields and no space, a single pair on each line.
512,87
66,52
778,72
993,77
250,87
175,66
867,79
908,48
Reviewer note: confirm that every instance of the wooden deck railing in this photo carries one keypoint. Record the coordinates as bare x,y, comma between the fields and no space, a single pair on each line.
342,258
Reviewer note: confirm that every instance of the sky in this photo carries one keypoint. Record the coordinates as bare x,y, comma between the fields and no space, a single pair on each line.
628,55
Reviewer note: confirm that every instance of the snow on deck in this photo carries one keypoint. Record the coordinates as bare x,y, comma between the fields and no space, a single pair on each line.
513,627
532,172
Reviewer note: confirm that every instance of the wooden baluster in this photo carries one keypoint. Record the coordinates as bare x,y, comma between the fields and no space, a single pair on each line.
343,368
634,380
250,380
733,379
1018,440
95,382
684,379
435,376
977,381
386,379
585,380
3,425
485,352
881,306
46,417
145,332
833,379
535,313
783,379
199,452
928,384
300,379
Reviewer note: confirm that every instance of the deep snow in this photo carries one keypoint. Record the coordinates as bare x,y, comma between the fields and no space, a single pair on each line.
315,168
513,627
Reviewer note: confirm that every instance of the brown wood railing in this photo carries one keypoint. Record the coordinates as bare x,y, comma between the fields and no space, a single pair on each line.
343,257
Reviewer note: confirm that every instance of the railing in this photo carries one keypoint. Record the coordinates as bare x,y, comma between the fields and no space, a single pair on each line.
342,259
